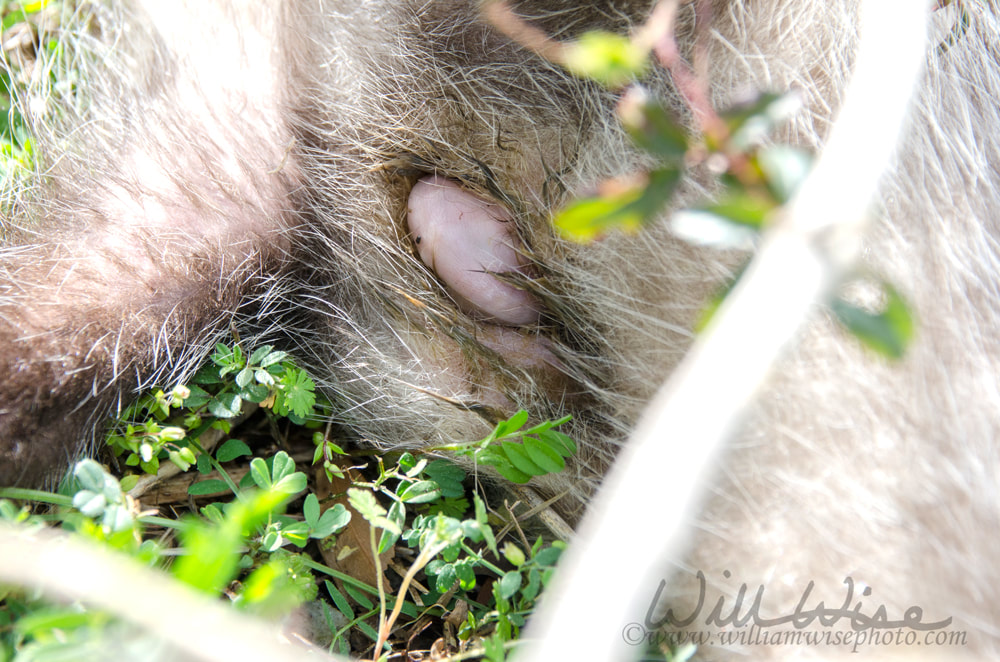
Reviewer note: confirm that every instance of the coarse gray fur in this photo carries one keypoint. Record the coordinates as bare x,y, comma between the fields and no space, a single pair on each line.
248,165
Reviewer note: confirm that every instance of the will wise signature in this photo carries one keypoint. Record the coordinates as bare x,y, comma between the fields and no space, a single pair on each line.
799,618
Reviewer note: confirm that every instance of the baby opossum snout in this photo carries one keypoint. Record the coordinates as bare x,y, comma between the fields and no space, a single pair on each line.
466,240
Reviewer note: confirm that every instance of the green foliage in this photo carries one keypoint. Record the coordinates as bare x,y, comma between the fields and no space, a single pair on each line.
143,444
420,502
325,451
453,555
325,525
246,536
627,208
240,547
16,152
517,590
758,179
266,378
519,454
212,558
611,59
887,332
428,512
101,496
169,426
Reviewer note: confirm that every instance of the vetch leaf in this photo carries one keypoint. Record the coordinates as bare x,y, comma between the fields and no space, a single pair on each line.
509,584
511,425
342,603
495,458
422,491
358,596
888,332
232,449
483,521
333,519
518,456
562,443
543,455
396,515
548,425
206,487
225,405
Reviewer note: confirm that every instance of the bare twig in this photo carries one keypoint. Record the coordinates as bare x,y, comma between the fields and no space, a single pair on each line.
65,567
504,19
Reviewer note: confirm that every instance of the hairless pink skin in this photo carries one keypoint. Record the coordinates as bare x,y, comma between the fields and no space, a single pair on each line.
467,239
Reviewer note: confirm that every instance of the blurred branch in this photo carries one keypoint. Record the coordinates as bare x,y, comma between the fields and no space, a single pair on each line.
65,567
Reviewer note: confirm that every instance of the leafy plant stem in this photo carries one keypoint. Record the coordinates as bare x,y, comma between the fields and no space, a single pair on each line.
218,467
479,558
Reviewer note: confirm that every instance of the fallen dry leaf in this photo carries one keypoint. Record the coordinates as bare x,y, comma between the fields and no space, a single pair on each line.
352,553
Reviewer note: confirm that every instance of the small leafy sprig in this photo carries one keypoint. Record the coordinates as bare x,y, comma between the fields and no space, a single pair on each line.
101,496
448,557
145,442
516,592
164,426
277,474
520,454
758,178
266,378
